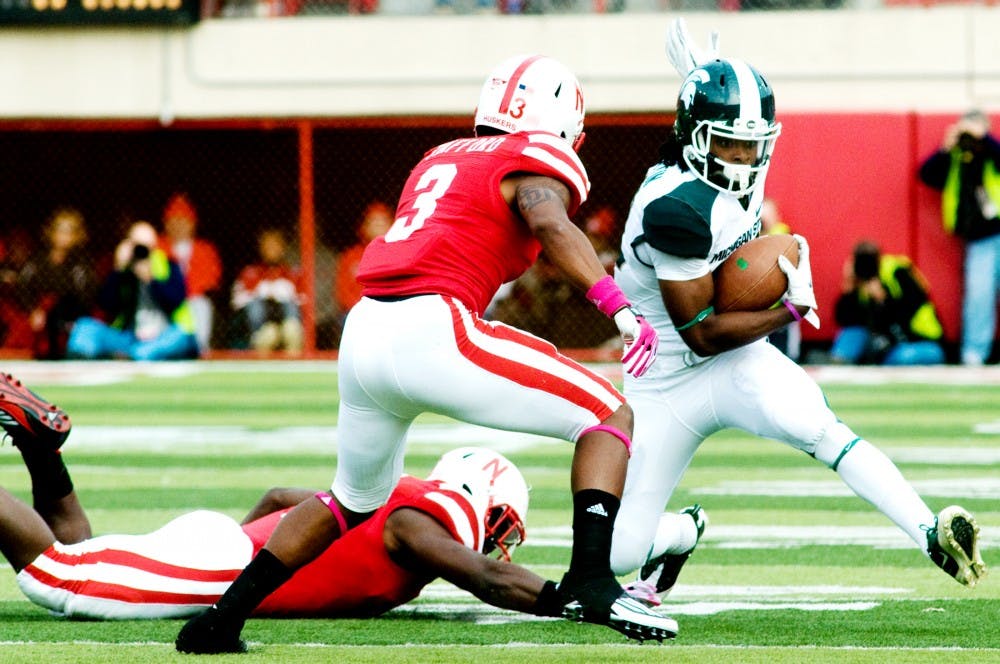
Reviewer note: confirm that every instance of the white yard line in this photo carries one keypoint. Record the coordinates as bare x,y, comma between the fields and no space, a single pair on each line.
99,372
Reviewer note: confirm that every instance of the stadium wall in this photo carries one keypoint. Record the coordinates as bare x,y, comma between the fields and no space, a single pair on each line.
898,59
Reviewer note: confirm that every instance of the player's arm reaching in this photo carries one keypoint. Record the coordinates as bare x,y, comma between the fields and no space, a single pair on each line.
419,543
689,304
542,202
277,498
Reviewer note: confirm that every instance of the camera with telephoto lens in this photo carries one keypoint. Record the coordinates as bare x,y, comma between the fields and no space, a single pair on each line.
140,253
967,142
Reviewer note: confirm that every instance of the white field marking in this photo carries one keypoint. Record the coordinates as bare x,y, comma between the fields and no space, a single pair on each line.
940,375
987,427
319,438
92,372
484,614
166,438
943,456
964,487
97,372
442,592
772,537
712,608
506,645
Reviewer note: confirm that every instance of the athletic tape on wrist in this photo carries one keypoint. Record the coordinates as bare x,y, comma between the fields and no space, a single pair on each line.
614,432
331,505
795,312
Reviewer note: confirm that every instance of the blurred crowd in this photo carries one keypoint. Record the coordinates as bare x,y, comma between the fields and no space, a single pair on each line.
163,290
161,293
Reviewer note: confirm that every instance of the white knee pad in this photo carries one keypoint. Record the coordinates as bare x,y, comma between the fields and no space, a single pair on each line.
837,440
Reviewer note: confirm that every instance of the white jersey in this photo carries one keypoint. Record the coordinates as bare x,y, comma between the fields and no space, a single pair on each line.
678,229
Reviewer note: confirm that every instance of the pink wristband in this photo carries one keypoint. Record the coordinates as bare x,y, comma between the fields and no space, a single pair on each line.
795,312
607,296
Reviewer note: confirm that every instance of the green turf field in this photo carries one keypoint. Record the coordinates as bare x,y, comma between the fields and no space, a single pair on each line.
792,568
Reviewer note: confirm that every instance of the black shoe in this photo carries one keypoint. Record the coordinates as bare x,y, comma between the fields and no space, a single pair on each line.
29,419
209,634
953,545
603,602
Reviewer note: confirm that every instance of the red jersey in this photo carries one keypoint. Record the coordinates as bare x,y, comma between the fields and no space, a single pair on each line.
355,576
454,234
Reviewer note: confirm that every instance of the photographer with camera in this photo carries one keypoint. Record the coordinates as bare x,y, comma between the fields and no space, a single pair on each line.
144,298
965,170
884,312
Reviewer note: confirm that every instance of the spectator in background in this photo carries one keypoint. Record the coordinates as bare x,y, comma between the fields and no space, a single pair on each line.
266,297
601,227
375,221
199,262
16,246
885,312
58,283
144,298
544,302
965,170
789,338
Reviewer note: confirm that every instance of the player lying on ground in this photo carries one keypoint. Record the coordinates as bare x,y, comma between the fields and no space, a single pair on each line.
473,503
717,370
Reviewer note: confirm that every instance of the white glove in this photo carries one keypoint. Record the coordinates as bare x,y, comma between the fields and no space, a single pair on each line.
682,52
800,281
641,341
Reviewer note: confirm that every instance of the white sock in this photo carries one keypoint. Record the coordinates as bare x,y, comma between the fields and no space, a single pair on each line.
874,477
675,533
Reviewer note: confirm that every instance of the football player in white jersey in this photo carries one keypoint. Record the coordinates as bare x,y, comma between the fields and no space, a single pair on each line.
716,371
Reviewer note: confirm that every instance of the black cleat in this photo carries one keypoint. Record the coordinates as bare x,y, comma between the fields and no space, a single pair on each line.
953,545
210,634
29,419
603,602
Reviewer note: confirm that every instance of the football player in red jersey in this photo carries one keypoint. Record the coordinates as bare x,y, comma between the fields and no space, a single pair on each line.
473,214
474,502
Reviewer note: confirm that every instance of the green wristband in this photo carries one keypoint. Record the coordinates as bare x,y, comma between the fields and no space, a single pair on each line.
702,315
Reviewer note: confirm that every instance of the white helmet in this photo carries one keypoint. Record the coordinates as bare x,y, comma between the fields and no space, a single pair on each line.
532,93
497,490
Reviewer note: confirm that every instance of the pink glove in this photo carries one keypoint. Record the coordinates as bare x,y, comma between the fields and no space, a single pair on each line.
641,340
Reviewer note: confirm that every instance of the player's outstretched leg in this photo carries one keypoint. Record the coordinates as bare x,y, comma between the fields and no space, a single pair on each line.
602,601
658,576
210,634
29,419
953,545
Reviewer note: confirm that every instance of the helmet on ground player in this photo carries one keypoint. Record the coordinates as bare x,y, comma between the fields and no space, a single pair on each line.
532,93
727,99
498,492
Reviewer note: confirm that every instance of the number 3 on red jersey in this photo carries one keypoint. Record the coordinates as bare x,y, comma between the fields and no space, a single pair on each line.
433,184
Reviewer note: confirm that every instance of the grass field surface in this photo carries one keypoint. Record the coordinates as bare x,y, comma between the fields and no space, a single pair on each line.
792,568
